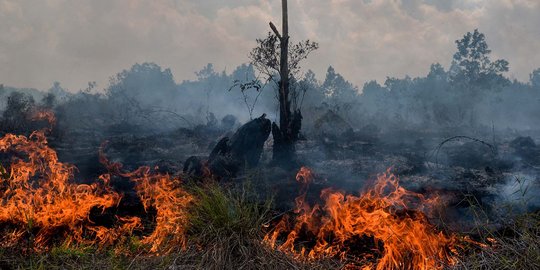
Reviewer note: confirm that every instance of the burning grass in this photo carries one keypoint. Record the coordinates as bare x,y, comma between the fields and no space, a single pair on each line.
165,195
41,203
515,246
223,232
225,228
49,221
384,228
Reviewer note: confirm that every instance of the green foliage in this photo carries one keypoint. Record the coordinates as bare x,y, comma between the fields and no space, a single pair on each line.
471,63
66,250
135,92
337,89
48,101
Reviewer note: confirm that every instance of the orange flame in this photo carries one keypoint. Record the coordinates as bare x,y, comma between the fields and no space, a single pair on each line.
40,199
46,115
391,216
304,175
163,193
37,195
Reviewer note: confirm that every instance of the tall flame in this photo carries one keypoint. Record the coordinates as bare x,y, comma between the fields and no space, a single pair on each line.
387,213
40,199
37,194
42,202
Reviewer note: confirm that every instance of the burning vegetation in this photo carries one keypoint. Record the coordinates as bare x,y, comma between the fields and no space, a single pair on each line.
38,197
145,176
387,226
167,197
384,228
41,202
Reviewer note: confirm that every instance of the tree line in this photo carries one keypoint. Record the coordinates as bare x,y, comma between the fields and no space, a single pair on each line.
472,92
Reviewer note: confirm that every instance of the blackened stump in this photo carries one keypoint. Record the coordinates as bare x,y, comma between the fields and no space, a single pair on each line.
242,150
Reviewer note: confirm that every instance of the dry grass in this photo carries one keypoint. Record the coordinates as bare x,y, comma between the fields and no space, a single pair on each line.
514,243
517,246
225,233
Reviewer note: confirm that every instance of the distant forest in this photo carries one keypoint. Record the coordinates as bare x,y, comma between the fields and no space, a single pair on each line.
473,93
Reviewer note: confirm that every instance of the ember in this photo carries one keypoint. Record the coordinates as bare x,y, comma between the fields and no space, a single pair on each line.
387,214
46,115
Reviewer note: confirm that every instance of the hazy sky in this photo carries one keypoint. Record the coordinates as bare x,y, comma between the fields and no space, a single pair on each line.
76,41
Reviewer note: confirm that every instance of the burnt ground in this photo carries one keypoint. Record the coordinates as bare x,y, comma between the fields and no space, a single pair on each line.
496,172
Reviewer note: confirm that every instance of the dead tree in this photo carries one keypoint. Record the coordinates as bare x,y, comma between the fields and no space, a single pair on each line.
283,137
274,55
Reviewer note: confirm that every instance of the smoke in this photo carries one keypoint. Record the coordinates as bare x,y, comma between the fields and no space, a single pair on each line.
518,194
349,133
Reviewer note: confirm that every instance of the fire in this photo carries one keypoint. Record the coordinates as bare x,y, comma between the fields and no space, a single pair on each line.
304,175
171,203
46,115
38,197
163,193
387,227
387,216
42,202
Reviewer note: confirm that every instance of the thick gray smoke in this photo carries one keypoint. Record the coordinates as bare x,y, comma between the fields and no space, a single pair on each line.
351,132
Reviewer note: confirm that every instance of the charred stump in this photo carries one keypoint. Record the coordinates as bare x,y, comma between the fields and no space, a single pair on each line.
229,156
284,140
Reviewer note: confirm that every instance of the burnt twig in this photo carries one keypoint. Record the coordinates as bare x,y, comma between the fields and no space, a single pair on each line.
459,137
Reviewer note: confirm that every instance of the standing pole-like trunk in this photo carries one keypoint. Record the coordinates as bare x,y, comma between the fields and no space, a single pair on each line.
287,132
283,140
284,102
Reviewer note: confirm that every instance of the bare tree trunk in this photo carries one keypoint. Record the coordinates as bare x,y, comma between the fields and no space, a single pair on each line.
289,124
284,102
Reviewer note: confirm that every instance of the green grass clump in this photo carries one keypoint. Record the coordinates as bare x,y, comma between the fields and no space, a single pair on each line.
226,232
219,212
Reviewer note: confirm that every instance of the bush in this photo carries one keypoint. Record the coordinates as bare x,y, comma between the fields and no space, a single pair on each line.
17,113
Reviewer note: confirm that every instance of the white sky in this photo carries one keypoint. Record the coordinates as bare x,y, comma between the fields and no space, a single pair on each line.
77,41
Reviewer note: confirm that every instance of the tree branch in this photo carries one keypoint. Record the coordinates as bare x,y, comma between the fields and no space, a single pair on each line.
275,30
